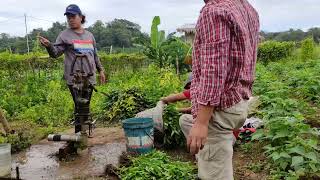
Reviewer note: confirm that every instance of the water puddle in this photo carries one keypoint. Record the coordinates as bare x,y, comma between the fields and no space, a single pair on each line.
40,162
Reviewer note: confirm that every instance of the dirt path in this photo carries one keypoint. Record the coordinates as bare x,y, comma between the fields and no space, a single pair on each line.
249,163
40,161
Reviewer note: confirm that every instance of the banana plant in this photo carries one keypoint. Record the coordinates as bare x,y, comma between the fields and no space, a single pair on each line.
157,37
154,48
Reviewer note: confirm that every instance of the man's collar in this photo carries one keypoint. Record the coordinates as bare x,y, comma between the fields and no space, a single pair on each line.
210,3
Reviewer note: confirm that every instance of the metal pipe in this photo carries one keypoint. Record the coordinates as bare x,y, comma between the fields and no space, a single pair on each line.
68,138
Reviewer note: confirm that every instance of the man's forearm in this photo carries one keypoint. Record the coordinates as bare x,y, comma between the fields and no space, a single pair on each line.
53,51
185,110
204,114
99,66
174,98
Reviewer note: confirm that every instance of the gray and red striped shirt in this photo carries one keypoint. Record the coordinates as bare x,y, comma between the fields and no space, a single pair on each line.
224,54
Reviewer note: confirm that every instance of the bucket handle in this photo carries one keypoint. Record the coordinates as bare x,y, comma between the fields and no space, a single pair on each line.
149,135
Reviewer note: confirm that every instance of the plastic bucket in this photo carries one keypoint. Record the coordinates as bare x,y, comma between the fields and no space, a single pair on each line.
139,133
5,160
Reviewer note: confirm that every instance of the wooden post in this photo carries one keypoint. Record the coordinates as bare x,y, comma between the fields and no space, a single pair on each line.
177,64
111,49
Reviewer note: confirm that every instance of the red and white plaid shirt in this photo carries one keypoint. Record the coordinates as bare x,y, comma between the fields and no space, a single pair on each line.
224,54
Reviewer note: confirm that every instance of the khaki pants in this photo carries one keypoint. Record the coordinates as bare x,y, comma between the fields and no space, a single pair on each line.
215,159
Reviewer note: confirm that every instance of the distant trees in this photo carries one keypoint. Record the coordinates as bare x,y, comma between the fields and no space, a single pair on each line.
118,33
293,35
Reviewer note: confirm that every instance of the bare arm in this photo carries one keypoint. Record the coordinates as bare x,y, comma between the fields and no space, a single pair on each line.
174,98
185,110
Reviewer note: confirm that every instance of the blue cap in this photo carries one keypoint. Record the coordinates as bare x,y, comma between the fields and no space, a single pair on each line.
73,9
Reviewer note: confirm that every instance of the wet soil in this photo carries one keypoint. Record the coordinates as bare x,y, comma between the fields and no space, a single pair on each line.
40,160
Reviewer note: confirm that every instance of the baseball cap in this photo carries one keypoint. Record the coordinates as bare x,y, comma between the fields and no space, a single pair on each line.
73,9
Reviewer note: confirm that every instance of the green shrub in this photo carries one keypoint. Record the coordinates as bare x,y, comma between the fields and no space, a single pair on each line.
173,135
35,62
19,141
274,51
124,104
152,81
56,110
114,63
293,146
307,49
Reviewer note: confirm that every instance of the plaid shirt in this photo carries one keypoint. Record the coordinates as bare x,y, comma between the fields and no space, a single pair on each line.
224,54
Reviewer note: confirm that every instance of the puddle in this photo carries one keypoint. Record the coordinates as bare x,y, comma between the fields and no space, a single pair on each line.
40,162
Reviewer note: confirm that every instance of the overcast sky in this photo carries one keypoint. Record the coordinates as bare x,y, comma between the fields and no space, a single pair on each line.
275,15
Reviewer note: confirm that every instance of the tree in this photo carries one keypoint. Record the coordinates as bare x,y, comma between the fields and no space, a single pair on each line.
293,35
124,32
53,32
118,33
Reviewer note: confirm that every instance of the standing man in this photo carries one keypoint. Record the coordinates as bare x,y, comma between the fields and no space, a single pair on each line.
224,59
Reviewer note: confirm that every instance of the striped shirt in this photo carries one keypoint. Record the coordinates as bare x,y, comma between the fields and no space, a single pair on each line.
71,43
224,54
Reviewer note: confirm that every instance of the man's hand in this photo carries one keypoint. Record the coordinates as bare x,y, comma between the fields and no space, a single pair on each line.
199,132
197,137
102,77
164,100
44,42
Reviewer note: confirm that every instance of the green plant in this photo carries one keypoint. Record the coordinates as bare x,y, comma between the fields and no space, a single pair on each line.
273,51
256,167
114,63
177,51
307,49
153,49
56,110
123,104
18,141
247,147
157,165
293,146
173,134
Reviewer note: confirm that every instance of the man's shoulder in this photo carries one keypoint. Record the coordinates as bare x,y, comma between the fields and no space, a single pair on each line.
218,8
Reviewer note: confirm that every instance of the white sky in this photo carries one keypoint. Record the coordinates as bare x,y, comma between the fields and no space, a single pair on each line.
276,15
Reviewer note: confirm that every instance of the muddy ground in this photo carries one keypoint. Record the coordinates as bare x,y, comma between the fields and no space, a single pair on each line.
40,161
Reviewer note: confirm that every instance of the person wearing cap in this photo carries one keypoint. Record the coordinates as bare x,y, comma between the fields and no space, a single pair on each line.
185,120
72,41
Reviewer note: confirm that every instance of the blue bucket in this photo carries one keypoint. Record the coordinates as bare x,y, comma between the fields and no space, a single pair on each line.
139,133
